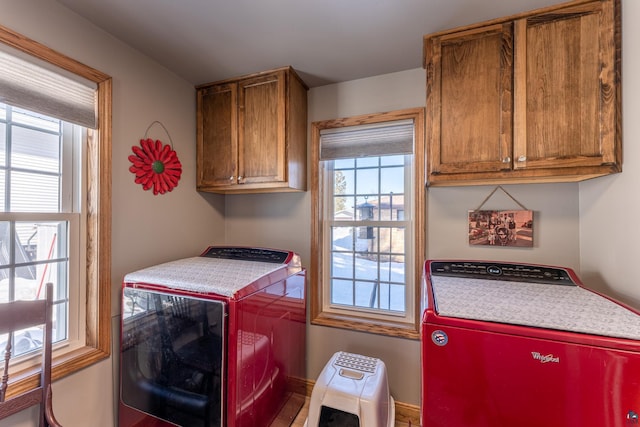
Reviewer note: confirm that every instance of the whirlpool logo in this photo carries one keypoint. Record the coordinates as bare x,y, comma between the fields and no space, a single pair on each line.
545,359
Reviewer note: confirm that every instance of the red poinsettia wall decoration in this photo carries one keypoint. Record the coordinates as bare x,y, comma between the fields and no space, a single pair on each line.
155,166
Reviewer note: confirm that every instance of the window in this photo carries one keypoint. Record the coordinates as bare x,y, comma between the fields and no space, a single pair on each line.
40,217
55,176
368,222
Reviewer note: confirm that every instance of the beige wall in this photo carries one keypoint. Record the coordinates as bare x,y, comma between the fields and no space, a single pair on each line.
588,226
282,220
610,207
147,229
555,216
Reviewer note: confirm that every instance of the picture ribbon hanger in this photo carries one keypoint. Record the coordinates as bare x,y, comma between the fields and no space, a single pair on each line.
505,192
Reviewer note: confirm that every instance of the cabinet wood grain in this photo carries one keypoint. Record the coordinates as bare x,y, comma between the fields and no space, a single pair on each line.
252,133
528,98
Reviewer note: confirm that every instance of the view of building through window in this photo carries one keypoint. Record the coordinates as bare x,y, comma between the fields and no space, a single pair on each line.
34,221
369,233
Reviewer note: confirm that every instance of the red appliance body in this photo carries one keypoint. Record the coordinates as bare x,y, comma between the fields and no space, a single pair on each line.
525,345
215,340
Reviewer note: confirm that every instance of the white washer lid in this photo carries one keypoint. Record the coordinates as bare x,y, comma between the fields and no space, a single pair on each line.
561,307
204,275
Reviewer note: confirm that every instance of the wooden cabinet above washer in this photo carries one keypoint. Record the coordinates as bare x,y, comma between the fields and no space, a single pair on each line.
528,98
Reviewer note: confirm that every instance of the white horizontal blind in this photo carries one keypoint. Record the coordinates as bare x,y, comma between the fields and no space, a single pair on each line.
46,89
381,139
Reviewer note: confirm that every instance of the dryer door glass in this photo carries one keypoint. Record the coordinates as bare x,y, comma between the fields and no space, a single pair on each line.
172,356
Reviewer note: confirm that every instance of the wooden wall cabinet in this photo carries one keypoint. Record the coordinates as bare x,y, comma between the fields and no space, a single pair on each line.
529,98
252,134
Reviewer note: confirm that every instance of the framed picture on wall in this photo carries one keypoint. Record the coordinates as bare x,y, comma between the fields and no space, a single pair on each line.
501,228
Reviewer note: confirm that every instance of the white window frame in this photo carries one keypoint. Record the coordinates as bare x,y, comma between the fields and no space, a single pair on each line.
406,316
322,311
72,210
95,247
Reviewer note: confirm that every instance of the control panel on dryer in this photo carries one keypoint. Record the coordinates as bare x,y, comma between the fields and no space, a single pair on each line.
247,254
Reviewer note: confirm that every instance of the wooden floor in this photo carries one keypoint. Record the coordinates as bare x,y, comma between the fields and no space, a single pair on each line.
302,416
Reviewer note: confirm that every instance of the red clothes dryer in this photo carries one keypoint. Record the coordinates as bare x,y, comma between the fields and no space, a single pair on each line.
213,340
525,345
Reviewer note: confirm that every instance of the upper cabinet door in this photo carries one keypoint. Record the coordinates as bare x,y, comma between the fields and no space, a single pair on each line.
261,137
217,136
565,111
469,100
534,97
252,134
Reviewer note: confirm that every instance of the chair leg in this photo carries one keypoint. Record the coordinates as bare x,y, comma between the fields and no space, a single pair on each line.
50,419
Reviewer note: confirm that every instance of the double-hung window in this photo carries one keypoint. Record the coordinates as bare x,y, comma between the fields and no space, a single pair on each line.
41,217
55,201
368,222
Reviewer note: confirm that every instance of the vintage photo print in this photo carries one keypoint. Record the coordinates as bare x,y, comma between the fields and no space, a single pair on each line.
501,228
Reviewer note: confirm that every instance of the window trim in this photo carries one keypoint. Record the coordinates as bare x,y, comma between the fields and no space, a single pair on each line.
98,219
354,322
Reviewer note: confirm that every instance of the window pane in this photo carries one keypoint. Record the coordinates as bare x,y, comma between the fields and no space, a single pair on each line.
392,160
3,207
33,254
392,242
367,181
3,144
31,119
373,271
392,268
39,256
343,181
366,211
366,295
363,162
391,207
41,239
341,292
366,270
392,180
25,340
5,247
343,208
342,265
341,238
344,163
26,284
35,150
4,285
397,302
32,192
60,320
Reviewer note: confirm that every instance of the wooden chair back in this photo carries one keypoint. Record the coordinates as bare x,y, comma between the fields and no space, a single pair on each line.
16,316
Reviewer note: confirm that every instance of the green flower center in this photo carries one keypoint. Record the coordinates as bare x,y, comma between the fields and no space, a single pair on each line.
157,166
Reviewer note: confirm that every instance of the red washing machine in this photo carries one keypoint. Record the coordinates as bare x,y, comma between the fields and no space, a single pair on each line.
525,345
213,340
